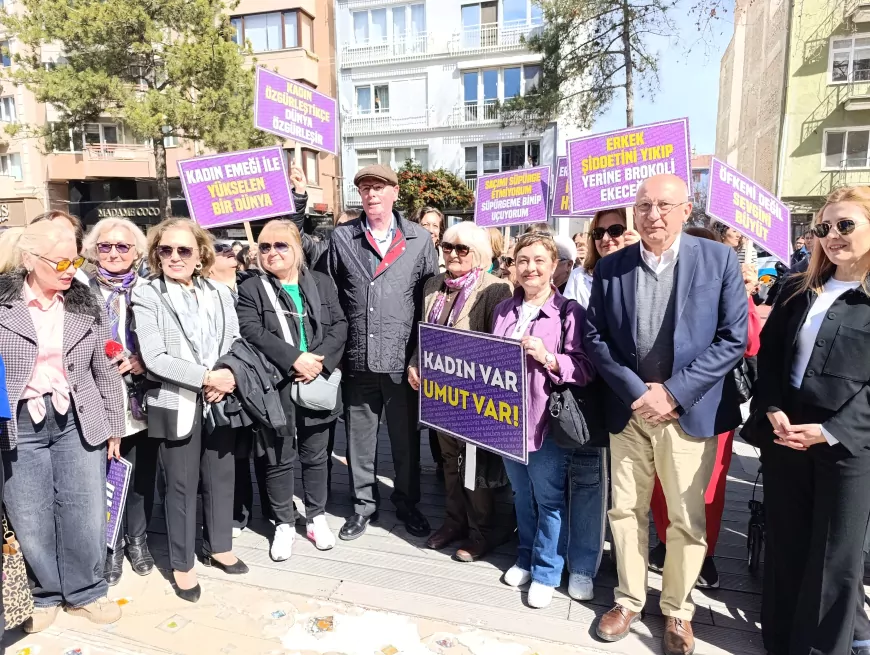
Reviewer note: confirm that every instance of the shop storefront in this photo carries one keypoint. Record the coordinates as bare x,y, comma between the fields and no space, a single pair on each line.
143,213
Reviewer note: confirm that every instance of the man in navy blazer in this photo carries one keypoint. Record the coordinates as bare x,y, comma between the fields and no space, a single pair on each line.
666,325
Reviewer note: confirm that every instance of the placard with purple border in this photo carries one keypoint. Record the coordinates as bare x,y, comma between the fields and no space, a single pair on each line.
737,201
117,484
562,191
606,169
513,198
236,187
473,387
294,110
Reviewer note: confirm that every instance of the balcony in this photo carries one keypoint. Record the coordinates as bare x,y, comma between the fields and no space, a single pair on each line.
834,179
379,123
472,113
858,11
492,37
108,160
351,196
471,184
854,95
295,63
409,48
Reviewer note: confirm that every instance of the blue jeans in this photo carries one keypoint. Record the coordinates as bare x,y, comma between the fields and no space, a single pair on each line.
56,500
583,540
540,503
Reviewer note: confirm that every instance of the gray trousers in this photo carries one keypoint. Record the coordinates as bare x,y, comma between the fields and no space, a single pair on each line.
366,395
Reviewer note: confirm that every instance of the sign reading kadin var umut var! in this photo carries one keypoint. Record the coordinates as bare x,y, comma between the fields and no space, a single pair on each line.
607,169
473,387
513,198
236,187
737,201
293,110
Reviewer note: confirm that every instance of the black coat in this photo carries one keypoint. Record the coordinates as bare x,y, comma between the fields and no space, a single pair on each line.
325,329
835,390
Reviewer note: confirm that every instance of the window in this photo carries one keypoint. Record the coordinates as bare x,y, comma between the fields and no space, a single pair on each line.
6,57
850,60
491,158
101,134
10,165
7,110
310,166
497,84
373,98
500,157
370,27
847,148
512,82
531,79
274,31
394,157
480,25
513,156
514,11
470,162
404,26
366,158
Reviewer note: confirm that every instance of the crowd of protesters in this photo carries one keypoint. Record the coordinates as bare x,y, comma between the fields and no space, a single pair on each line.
232,353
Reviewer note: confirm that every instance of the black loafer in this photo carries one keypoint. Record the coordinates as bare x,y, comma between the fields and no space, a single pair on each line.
239,568
415,523
140,556
114,566
355,526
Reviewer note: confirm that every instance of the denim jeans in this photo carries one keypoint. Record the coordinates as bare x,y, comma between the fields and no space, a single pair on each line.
56,500
583,540
541,506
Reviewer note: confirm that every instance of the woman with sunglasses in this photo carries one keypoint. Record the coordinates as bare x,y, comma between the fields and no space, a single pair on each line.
68,416
607,234
292,315
812,418
226,267
464,298
184,324
115,246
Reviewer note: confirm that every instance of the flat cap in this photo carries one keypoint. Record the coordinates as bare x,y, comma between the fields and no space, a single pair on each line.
379,172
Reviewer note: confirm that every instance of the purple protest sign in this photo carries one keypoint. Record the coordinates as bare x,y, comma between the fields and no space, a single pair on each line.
737,201
473,387
562,190
236,187
513,198
293,110
117,483
606,169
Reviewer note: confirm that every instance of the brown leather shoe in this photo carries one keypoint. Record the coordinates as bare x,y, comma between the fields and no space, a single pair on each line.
678,638
471,550
616,623
443,537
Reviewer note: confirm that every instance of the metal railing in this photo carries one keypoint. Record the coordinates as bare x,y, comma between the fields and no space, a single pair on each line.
409,46
471,183
351,196
474,113
118,152
837,95
381,124
495,36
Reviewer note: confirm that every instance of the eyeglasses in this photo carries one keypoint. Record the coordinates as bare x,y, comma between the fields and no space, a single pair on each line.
122,248
507,261
184,252
64,264
615,231
843,227
665,208
368,188
280,247
223,249
461,249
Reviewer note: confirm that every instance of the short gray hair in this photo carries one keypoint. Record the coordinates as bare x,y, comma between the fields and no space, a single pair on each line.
566,248
473,236
89,246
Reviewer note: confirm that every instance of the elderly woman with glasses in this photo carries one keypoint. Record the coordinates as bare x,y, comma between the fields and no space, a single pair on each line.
184,324
115,246
67,406
464,298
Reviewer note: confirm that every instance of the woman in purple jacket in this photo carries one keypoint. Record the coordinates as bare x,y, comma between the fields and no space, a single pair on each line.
532,315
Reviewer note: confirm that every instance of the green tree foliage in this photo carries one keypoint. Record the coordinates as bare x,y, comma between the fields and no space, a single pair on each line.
167,68
440,189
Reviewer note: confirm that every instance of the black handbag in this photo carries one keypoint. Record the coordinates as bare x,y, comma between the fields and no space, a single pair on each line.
745,374
577,413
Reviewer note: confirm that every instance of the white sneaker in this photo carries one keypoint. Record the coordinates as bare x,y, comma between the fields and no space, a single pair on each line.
320,534
516,576
237,532
580,587
282,543
540,595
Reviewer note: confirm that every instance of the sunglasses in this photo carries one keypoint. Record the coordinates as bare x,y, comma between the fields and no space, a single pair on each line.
843,227
461,249
184,252
280,247
64,264
615,231
122,248
507,261
223,249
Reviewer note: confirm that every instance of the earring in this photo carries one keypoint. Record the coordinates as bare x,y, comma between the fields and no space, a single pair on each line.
198,267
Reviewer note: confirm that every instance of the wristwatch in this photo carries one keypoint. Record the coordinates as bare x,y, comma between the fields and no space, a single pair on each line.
549,360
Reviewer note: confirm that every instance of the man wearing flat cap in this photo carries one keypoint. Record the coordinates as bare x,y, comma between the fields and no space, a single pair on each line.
380,263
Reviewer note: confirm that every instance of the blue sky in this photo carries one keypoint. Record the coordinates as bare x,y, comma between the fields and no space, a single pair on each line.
689,85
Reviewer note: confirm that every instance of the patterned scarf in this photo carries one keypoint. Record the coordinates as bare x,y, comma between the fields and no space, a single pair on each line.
119,287
465,285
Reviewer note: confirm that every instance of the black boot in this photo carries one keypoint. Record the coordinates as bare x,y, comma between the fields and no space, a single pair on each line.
140,557
114,564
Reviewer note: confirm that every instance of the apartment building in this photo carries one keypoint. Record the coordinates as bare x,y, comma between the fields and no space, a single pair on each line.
103,170
422,80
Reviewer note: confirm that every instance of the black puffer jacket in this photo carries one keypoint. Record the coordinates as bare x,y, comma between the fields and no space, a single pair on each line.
382,303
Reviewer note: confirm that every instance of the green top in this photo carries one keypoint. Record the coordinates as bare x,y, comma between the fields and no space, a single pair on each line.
293,291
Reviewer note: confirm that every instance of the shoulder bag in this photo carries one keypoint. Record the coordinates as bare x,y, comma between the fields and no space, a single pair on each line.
17,599
321,394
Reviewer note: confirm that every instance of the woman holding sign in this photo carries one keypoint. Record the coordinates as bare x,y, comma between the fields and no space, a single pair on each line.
549,327
464,298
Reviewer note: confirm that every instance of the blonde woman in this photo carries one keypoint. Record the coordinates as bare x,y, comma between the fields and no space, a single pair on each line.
68,416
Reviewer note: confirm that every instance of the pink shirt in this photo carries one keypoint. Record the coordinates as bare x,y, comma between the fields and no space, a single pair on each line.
48,373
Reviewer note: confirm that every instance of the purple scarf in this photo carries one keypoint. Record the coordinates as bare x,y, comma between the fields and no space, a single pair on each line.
465,284
119,286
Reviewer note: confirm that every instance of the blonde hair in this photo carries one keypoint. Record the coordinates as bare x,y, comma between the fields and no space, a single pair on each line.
496,241
821,268
89,247
476,238
592,255
76,223
294,240
36,239
531,238
204,241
